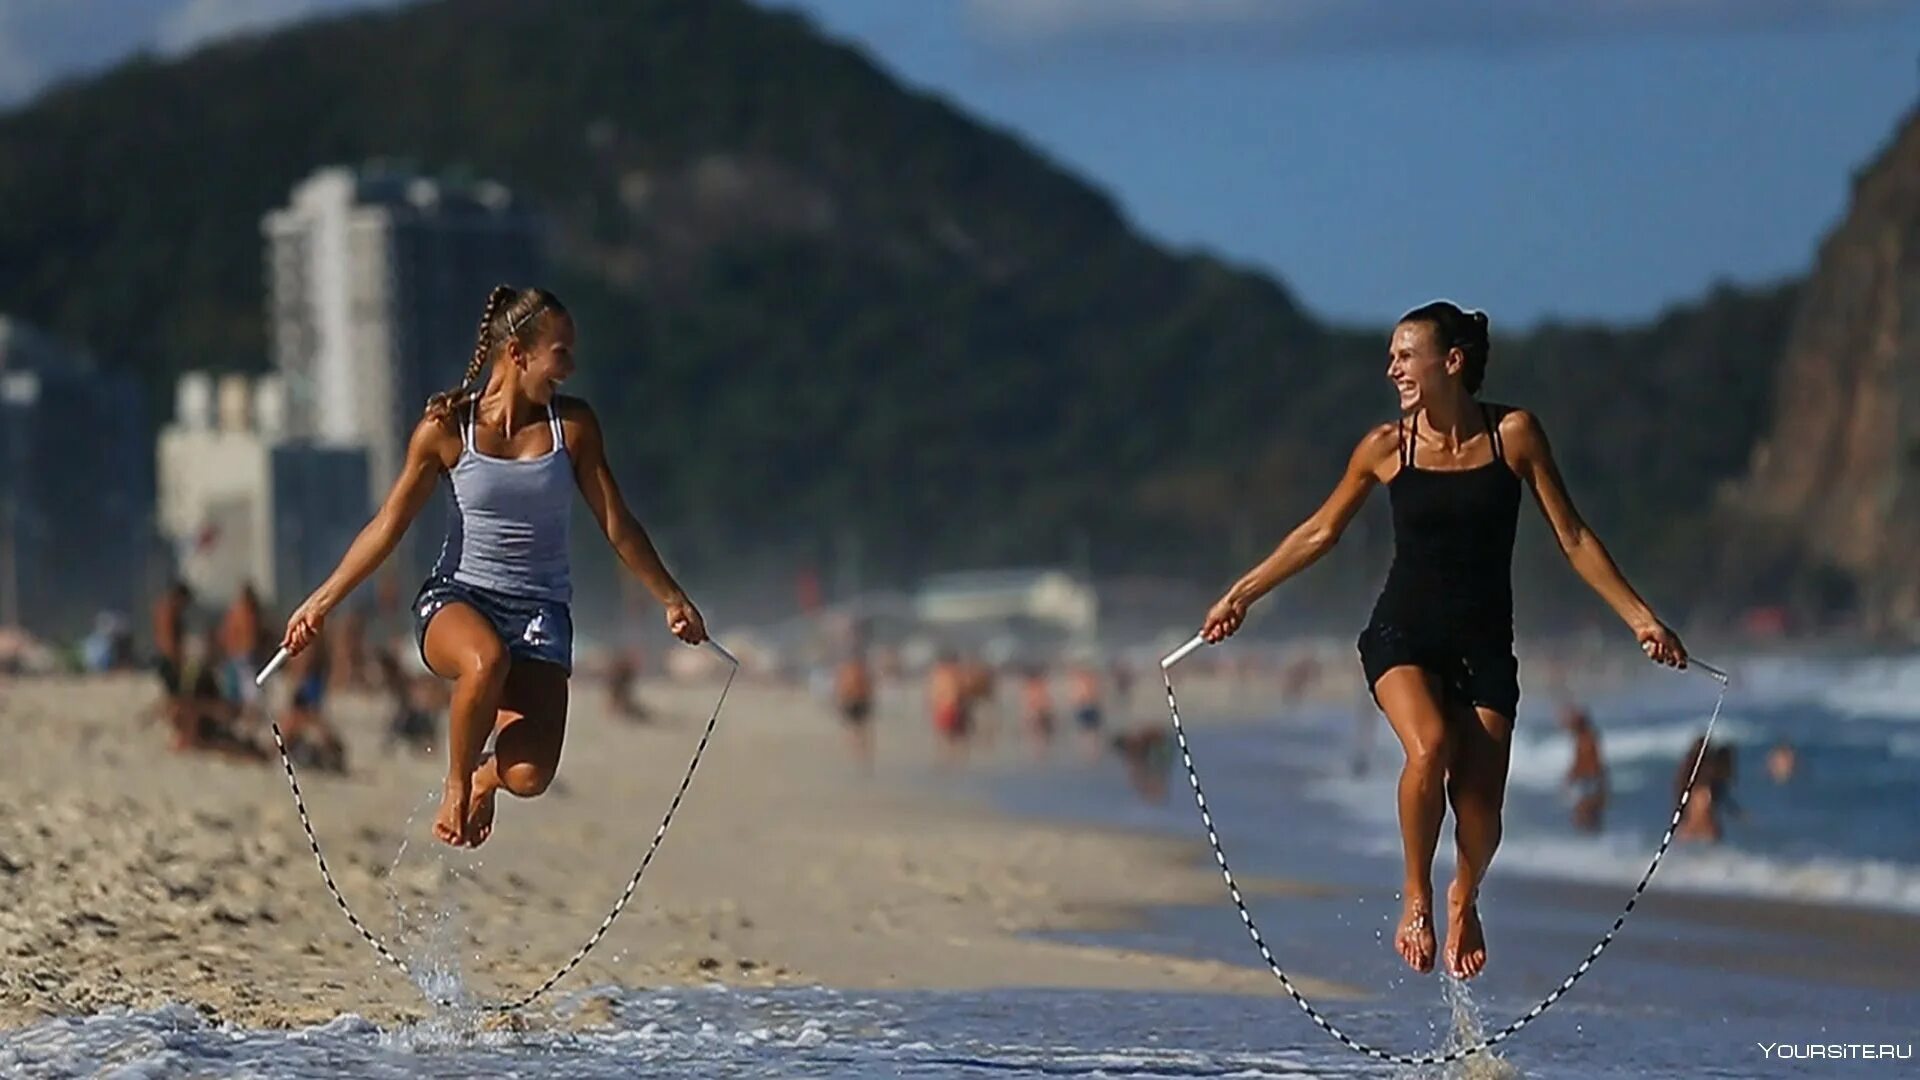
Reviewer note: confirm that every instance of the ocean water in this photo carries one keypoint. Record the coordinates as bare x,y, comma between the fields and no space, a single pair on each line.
1679,994
818,1033
1686,988
1845,829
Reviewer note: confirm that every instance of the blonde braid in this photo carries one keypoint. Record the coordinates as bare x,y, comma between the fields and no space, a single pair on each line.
443,403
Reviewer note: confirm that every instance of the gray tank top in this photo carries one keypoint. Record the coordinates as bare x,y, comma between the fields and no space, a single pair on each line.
508,529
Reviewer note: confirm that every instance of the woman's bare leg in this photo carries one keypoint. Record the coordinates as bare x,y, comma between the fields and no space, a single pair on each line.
529,730
463,646
1408,697
1477,789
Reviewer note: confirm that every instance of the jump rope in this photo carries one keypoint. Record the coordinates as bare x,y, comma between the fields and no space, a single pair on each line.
1200,801
633,882
1273,965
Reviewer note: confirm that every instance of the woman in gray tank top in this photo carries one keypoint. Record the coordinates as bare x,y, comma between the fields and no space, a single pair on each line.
493,617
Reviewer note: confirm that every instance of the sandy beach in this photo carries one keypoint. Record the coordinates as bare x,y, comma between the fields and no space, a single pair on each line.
133,876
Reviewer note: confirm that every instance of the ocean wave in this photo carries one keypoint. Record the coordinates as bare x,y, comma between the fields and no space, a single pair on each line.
1539,761
1722,869
1886,689
713,1032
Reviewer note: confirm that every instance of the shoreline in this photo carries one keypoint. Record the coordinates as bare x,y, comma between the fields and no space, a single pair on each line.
131,876
1844,943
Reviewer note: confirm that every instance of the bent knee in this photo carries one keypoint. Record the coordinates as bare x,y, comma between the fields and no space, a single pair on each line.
487,665
1430,756
525,779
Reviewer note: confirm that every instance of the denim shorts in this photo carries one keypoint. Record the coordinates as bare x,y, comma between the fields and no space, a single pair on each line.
531,629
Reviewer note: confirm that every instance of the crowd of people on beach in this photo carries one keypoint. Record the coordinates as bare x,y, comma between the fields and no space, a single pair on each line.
210,703
1080,707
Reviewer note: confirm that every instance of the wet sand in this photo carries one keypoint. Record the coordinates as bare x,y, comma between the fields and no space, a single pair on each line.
133,876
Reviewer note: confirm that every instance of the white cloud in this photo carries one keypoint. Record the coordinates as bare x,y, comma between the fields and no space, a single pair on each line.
1281,26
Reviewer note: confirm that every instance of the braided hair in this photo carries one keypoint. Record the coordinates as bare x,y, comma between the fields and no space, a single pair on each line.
510,314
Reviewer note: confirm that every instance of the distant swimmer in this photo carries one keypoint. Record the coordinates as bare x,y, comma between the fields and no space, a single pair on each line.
1587,775
1438,650
494,615
1712,798
1782,761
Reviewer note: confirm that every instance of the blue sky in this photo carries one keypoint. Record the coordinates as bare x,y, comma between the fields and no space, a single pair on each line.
1580,158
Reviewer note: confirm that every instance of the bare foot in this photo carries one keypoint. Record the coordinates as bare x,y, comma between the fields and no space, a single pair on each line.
1414,941
1466,941
480,806
450,824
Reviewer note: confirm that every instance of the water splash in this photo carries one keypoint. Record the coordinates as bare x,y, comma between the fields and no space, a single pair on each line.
1466,1029
430,932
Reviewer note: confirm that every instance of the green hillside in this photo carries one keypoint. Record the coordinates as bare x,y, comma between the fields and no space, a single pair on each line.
816,306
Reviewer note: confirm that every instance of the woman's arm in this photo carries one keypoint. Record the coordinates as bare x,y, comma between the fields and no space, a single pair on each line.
1311,539
418,477
629,539
1532,459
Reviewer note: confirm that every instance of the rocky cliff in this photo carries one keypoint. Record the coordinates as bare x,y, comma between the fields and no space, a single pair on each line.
1827,522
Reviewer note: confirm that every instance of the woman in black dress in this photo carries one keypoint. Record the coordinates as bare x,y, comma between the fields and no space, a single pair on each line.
1438,651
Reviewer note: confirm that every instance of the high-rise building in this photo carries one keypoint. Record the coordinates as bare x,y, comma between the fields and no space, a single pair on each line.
76,485
244,503
376,279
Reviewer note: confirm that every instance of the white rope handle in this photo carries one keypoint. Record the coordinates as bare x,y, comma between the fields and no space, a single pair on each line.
633,882
1273,965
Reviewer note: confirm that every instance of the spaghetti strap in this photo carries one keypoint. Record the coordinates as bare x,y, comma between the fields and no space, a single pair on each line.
1408,433
1493,433
466,425
553,423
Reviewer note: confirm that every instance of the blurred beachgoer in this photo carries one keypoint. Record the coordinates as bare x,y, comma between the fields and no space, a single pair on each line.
623,670
1712,792
1147,751
947,703
1587,775
109,645
1122,675
981,691
312,742
1782,761
169,648
243,632
1722,758
1438,649
853,693
495,617
347,667
410,722
1036,701
205,718
1083,688
244,645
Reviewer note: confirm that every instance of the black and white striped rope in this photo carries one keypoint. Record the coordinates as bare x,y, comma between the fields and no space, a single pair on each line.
1266,954
528,998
